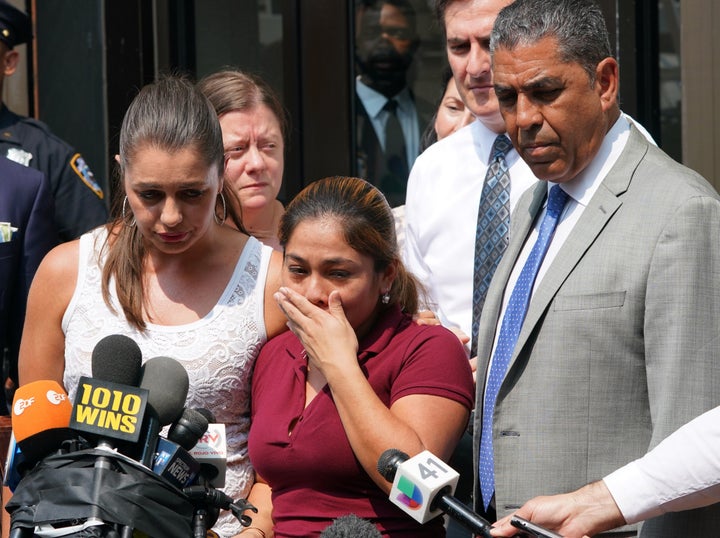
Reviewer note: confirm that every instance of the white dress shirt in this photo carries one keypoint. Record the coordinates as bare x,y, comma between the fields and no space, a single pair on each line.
680,473
443,196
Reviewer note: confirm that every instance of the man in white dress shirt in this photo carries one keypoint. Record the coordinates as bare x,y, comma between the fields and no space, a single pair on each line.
445,186
446,182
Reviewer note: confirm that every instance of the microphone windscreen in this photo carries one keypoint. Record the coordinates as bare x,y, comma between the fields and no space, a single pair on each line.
188,429
117,358
388,462
351,526
40,417
207,414
167,383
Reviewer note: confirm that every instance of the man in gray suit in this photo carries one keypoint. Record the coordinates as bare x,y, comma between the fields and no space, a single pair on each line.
599,334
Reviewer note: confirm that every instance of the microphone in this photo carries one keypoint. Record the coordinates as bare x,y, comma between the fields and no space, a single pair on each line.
110,405
172,460
211,453
167,383
422,487
189,428
117,358
40,418
173,463
351,526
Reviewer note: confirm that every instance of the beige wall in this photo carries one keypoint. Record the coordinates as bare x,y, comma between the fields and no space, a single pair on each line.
701,87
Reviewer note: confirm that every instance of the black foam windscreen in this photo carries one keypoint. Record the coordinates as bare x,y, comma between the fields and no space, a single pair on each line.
167,383
188,429
351,526
389,461
117,358
207,414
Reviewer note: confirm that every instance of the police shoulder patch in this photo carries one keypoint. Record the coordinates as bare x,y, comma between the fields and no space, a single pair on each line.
80,167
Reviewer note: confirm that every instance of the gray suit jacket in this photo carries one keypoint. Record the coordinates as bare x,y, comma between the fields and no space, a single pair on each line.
620,344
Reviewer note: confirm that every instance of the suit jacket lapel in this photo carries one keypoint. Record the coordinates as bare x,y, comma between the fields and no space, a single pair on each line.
602,206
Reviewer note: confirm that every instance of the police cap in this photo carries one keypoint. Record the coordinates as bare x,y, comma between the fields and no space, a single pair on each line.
15,26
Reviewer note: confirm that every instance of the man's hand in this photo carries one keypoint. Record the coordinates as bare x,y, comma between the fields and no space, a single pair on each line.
580,514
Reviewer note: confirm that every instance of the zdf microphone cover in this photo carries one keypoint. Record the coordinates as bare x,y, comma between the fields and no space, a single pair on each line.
41,414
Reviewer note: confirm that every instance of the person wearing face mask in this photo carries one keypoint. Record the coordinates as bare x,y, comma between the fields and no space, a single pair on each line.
255,128
389,116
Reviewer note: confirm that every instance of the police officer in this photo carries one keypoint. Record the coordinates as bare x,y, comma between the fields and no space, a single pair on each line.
79,203
27,233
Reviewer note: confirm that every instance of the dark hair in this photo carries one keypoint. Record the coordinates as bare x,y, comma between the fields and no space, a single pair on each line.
439,7
368,226
429,135
232,89
172,115
577,25
404,6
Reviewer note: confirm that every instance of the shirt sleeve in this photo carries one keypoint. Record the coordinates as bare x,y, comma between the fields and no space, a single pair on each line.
79,199
681,473
435,363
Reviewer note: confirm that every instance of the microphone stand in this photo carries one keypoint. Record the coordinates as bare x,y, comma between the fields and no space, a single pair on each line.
21,532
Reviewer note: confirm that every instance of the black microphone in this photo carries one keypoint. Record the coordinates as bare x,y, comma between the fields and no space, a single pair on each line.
167,383
351,526
187,430
426,477
172,460
207,414
208,502
117,358
110,405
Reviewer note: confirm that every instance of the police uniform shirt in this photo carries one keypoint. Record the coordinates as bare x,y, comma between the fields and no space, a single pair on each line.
79,199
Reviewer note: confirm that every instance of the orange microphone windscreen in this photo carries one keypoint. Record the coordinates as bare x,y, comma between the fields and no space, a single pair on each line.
38,407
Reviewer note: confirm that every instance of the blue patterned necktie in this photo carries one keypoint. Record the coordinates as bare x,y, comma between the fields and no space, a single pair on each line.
493,225
509,331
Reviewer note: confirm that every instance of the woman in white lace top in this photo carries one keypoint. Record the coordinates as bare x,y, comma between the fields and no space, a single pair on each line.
167,272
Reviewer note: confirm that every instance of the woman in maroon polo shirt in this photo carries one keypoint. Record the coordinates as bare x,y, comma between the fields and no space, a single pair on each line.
355,375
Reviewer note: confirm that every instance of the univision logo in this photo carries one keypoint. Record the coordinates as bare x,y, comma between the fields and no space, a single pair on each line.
410,495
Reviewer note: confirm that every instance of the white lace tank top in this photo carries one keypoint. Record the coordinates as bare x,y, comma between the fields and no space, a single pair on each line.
218,351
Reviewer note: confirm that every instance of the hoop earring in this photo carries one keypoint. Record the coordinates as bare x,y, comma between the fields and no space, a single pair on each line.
127,222
220,221
385,297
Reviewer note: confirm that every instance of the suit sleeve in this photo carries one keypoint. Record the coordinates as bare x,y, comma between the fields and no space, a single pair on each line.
38,238
682,337
683,316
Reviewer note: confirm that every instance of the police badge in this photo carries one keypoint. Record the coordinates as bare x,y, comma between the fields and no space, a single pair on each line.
20,156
